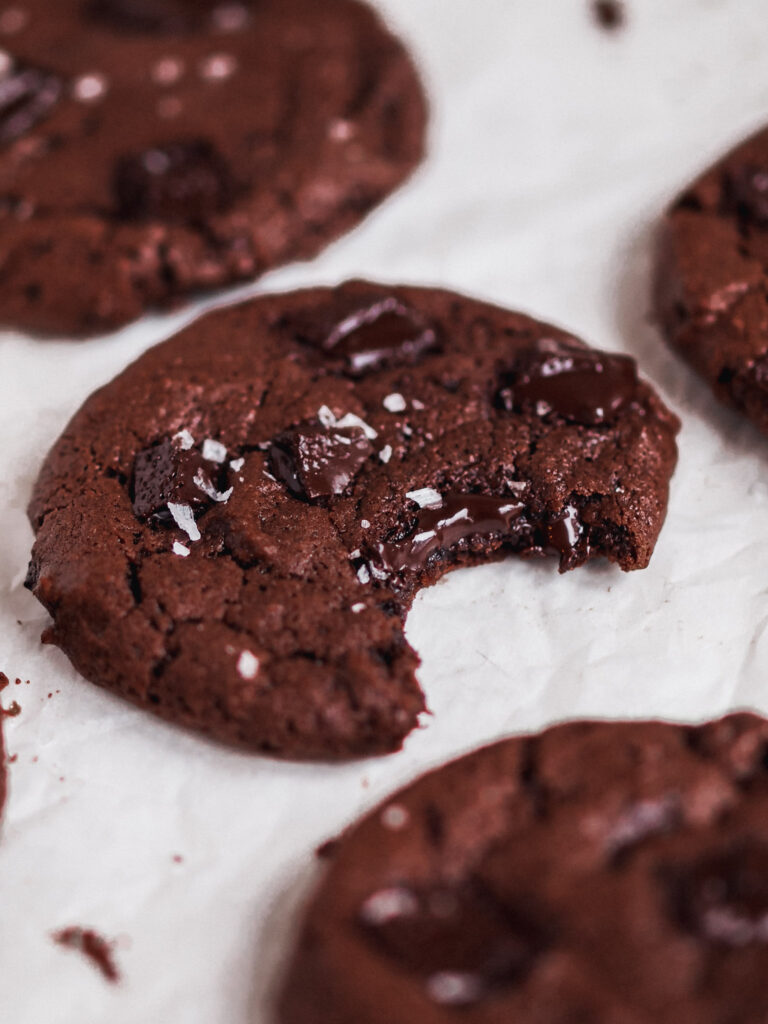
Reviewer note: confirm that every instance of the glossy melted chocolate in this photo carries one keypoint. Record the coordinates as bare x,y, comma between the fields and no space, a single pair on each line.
580,385
438,528
316,462
378,335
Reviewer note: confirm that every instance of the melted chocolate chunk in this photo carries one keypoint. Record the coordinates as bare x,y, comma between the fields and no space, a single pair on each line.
745,191
580,385
182,181
318,462
462,942
567,536
27,97
381,335
458,518
154,17
724,897
167,473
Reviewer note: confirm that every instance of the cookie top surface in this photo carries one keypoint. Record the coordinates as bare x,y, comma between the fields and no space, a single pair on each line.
713,277
153,148
604,872
231,532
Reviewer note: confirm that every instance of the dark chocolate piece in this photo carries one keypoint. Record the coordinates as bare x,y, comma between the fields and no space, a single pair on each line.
318,462
28,95
443,526
183,181
167,474
379,335
231,533
586,387
610,872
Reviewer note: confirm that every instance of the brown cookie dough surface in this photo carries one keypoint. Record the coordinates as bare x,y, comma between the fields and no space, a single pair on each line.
230,533
150,149
712,280
615,873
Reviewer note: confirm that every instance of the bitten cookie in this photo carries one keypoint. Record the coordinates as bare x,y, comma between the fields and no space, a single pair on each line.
615,873
150,149
231,532
713,277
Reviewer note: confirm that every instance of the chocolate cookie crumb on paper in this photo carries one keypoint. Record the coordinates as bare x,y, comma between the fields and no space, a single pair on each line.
94,947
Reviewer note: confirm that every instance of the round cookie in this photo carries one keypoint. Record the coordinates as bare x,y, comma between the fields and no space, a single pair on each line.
713,277
150,149
232,531
615,873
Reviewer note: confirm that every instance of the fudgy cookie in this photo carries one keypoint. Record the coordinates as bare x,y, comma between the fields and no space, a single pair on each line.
231,532
615,873
713,278
154,148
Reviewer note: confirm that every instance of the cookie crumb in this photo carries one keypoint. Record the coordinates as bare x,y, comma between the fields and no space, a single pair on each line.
95,947
12,711
609,14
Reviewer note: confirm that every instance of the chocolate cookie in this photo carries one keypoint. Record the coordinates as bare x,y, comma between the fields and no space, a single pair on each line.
231,532
3,770
713,278
615,873
153,148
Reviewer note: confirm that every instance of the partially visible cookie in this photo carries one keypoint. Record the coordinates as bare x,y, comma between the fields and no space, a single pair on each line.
615,873
230,534
3,770
150,149
712,280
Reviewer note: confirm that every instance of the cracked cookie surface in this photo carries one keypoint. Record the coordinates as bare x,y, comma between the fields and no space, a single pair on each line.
712,278
231,533
151,149
602,872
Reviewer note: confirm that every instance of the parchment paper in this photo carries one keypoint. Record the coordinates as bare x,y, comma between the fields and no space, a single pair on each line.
554,148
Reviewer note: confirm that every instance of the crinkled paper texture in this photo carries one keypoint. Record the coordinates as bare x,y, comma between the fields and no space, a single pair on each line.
555,146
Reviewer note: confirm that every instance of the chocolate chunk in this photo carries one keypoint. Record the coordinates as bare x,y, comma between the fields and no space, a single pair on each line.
568,536
181,181
461,942
168,473
440,527
155,17
745,191
381,335
724,896
27,97
579,385
317,462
